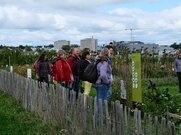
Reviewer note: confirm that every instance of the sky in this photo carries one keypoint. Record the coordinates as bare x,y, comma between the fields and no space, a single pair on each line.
41,22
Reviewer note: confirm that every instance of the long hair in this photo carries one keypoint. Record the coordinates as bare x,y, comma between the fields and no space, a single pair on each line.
42,57
104,54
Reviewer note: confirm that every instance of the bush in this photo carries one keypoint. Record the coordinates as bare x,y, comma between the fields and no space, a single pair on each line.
159,73
115,88
156,101
22,70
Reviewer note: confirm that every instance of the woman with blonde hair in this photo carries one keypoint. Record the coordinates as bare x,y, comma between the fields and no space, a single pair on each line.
104,80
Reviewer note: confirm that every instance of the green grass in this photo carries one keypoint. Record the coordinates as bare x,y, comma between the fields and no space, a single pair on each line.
173,90
14,120
92,92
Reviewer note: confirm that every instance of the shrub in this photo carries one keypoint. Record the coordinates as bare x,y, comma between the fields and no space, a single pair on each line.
156,100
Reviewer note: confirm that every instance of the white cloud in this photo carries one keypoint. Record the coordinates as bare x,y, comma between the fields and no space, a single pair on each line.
26,25
155,26
67,4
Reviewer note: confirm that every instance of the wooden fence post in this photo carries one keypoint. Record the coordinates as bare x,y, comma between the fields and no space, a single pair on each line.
113,118
169,127
163,126
128,123
100,117
150,125
156,125
117,117
107,129
135,131
145,125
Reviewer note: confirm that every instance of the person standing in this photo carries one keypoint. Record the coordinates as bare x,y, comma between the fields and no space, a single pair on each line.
110,54
44,69
104,80
72,60
85,61
61,70
178,68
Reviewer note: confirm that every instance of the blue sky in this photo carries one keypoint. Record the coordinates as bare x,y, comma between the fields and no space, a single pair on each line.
45,21
153,6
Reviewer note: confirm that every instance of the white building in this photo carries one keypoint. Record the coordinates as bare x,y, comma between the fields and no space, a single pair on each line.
89,43
58,44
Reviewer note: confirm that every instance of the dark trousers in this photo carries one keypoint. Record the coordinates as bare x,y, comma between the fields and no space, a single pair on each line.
75,85
179,80
44,79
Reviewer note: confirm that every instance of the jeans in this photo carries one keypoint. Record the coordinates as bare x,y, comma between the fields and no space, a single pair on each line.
109,93
102,92
75,85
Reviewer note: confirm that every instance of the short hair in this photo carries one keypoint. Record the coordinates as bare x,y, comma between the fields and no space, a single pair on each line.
84,54
60,52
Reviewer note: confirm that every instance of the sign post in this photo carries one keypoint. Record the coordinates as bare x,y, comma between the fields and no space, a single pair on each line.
29,73
11,69
136,78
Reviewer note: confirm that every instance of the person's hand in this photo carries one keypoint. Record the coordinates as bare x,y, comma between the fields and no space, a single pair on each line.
72,78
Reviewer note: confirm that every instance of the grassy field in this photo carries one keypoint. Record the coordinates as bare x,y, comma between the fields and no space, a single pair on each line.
14,120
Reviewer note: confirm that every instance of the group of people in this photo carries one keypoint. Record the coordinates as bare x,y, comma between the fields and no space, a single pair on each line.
68,71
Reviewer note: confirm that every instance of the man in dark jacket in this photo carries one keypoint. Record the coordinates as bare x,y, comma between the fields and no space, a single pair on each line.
72,60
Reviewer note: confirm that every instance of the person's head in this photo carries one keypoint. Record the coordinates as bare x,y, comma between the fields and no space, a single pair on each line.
179,53
104,54
43,56
61,54
110,48
75,51
86,55
86,49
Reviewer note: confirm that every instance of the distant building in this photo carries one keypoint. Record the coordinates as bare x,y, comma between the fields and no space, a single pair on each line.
137,45
60,43
165,49
99,47
89,43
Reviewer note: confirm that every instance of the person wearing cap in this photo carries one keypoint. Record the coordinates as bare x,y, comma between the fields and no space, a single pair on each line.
178,68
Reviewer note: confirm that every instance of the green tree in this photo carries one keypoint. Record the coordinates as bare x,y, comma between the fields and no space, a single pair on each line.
66,48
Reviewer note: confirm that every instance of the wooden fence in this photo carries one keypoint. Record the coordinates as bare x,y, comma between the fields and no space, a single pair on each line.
77,117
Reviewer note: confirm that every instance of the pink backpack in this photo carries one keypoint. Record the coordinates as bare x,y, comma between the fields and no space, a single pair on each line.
36,66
